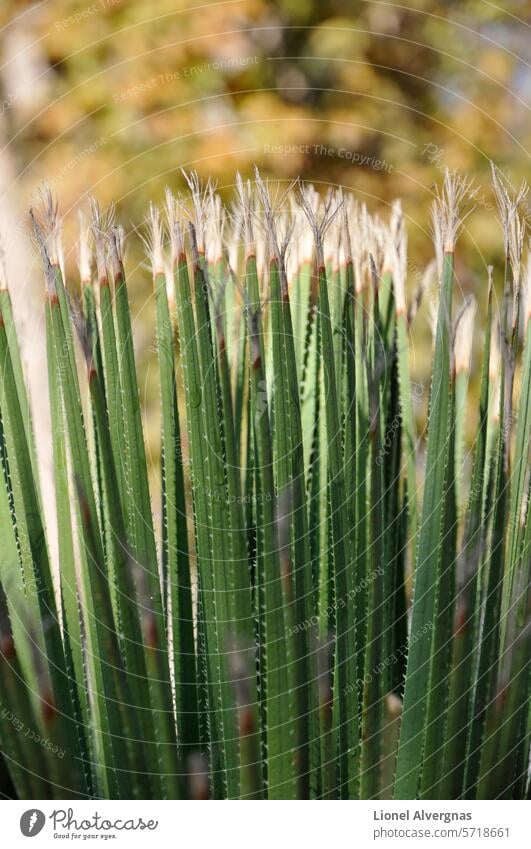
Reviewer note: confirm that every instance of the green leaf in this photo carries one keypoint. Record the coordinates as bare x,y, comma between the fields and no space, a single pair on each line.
429,551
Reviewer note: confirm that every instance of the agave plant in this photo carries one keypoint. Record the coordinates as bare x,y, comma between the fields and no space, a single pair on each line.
336,604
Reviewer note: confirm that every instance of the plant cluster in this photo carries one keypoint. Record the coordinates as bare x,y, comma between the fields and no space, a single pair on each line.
269,644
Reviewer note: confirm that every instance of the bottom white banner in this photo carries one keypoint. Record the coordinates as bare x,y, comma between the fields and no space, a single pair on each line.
311,825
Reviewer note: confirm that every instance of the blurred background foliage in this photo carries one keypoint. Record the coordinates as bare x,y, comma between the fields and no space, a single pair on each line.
113,97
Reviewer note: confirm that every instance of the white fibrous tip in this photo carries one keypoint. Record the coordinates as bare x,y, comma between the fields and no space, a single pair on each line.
268,213
395,258
245,213
214,229
40,241
320,217
153,241
84,253
201,198
52,226
513,222
448,214
275,224
361,241
307,244
174,225
101,224
464,335
47,231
